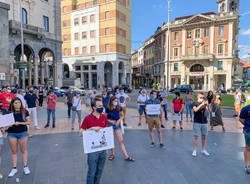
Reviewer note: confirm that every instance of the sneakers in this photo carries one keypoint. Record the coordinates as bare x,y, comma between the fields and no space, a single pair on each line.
37,127
162,126
139,124
46,126
152,145
194,154
162,146
204,152
26,170
54,126
124,124
12,172
247,169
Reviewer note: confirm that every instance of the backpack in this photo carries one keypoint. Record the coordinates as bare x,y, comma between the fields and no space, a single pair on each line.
243,99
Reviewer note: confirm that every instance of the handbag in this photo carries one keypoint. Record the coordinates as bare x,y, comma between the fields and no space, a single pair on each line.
75,107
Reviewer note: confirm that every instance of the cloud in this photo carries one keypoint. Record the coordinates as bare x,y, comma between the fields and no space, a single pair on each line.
244,51
245,32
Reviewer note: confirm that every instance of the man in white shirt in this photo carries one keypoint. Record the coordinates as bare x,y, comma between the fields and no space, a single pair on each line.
20,95
124,99
141,100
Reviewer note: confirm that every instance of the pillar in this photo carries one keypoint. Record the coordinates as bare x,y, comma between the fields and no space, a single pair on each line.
124,74
82,79
58,74
12,61
42,70
100,74
90,80
205,82
36,61
115,76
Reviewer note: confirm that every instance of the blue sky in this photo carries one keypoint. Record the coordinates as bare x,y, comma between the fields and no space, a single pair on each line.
147,15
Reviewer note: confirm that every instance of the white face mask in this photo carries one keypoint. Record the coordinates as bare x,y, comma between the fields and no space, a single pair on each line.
77,94
8,91
200,100
218,96
115,103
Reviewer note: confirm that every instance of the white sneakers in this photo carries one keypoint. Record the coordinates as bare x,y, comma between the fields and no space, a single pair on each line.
37,127
13,171
204,152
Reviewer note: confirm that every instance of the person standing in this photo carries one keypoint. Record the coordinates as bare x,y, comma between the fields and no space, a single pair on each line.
153,120
40,95
115,115
200,123
216,113
124,99
32,102
210,96
68,100
6,98
237,103
189,99
178,106
77,102
95,121
245,120
51,108
18,135
164,95
105,99
20,95
141,100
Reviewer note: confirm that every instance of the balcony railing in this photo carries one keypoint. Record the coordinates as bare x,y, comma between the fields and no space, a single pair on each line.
198,57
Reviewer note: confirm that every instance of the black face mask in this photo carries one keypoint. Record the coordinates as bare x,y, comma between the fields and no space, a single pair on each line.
99,110
31,91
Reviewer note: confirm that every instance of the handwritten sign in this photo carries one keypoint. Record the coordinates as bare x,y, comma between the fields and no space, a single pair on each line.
176,117
153,109
98,141
7,120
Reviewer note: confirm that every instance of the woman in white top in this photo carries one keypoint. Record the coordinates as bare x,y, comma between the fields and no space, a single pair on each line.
77,102
237,103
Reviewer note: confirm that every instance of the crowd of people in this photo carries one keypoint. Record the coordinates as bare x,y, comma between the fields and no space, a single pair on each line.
109,109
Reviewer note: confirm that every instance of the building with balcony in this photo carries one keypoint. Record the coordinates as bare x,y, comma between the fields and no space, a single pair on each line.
97,41
42,42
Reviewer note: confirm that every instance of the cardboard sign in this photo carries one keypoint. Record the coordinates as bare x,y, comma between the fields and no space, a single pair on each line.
153,109
176,117
7,120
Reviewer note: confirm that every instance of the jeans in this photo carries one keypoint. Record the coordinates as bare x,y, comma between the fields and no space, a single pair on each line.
96,163
51,111
189,110
69,108
79,114
34,113
165,111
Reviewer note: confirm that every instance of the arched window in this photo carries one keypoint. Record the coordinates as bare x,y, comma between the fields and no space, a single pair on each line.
24,16
223,7
197,68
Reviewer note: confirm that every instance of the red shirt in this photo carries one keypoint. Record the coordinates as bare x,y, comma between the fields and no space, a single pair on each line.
6,99
178,104
92,121
51,102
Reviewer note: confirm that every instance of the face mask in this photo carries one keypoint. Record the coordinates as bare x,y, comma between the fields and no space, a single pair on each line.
104,96
115,103
174,96
8,91
24,94
143,94
77,94
200,100
51,94
111,95
31,91
99,110
218,96
17,106
154,96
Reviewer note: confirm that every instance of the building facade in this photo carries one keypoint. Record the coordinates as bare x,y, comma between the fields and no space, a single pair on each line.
97,41
42,42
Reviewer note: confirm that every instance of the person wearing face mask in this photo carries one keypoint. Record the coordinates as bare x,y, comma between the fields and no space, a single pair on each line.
18,135
51,108
6,98
68,100
115,115
178,106
105,99
141,100
200,123
77,102
32,102
95,121
153,120
21,95
124,99
216,113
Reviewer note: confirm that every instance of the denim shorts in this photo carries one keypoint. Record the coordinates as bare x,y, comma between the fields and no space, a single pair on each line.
1,141
247,138
142,109
177,112
114,126
19,136
200,128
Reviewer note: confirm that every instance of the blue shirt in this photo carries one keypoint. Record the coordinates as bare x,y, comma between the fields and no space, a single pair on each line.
31,100
113,115
105,102
245,114
164,93
155,101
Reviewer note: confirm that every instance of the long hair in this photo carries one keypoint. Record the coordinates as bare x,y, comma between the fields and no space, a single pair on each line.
111,106
210,93
12,108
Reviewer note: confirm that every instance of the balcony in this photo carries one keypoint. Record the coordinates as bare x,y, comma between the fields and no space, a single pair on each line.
198,57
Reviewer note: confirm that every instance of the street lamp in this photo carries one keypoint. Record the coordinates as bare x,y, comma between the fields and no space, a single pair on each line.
22,47
168,60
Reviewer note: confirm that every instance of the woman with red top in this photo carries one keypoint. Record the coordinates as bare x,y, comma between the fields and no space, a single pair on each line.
51,108
95,121
178,106
6,98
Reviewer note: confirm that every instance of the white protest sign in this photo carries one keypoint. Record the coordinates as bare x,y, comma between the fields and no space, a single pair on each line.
153,109
176,117
7,120
98,141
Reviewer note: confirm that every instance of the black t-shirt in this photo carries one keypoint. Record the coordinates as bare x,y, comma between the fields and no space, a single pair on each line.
20,118
31,100
201,115
209,99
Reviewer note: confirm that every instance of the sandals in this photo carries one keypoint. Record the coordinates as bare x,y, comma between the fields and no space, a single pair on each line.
129,159
111,157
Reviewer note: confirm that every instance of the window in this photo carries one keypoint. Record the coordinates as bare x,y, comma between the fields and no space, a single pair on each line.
24,16
92,18
85,67
92,34
176,35
206,33
197,51
84,20
197,33
107,31
221,30
122,16
65,37
220,49
95,2
76,21
220,65
122,32
84,50
107,47
175,67
93,67
107,14
65,23
65,52
84,35
46,23
78,75
78,68
76,36
65,9
206,51
189,35
76,51
176,52
92,50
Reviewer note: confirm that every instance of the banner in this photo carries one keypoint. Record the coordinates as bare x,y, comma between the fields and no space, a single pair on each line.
176,117
153,109
7,120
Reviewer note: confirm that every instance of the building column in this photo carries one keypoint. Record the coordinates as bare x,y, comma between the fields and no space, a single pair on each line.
100,74
124,74
42,71
58,73
36,61
12,61
115,81
205,82
82,79
90,80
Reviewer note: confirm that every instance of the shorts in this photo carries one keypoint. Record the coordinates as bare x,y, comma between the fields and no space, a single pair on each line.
247,137
200,128
114,126
153,122
142,109
1,141
18,136
124,110
177,112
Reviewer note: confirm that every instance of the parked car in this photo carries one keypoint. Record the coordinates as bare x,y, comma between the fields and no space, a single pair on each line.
181,88
127,88
64,89
233,89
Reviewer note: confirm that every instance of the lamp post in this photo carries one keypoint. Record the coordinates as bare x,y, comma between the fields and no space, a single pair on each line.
22,71
168,60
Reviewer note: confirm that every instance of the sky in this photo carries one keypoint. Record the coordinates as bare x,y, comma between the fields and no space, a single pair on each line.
147,15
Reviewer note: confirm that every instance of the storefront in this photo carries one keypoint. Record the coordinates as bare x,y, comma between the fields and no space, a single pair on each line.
196,77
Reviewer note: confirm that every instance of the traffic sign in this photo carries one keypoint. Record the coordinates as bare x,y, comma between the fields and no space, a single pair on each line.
2,76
